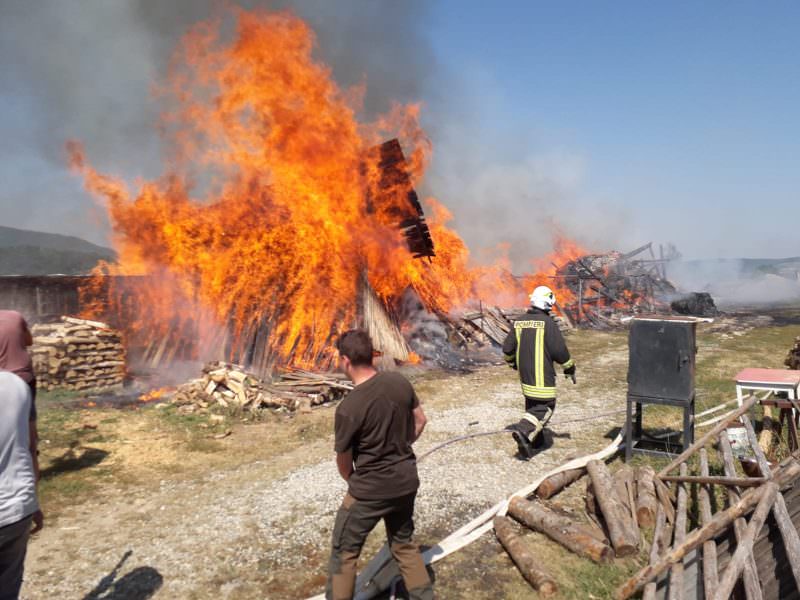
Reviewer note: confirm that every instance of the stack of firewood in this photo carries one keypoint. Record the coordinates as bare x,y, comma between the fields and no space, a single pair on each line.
77,354
229,385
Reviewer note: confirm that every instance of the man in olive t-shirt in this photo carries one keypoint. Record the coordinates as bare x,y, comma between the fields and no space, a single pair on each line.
375,426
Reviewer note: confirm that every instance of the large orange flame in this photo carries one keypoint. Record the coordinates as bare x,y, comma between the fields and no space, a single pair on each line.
260,219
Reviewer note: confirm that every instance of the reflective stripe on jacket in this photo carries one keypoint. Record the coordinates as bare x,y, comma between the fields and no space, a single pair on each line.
531,347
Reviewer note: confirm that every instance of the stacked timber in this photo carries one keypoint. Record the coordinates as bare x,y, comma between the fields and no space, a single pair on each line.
230,386
79,355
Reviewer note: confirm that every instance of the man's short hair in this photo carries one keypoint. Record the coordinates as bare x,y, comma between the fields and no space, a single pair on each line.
355,345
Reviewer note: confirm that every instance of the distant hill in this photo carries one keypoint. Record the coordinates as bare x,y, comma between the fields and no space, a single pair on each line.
24,252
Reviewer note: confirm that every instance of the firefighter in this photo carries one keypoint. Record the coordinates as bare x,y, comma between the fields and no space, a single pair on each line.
531,347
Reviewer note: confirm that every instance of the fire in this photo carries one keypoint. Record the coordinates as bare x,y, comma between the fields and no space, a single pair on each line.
156,394
275,238
545,270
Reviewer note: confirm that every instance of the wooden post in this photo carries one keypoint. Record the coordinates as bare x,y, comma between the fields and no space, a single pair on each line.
721,426
526,562
752,586
676,575
710,573
554,484
646,501
655,550
665,498
767,427
719,523
745,547
622,531
573,536
791,540
726,481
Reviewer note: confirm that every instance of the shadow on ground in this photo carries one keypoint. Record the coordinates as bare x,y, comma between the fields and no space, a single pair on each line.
139,584
74,459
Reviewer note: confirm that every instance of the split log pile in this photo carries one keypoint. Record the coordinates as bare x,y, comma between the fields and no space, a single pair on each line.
79,355
228,385
793,358
752,540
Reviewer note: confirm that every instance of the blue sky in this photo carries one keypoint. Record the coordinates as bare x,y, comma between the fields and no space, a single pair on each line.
617,122
683,116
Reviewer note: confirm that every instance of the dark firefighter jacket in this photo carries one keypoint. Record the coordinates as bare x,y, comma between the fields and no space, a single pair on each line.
532,346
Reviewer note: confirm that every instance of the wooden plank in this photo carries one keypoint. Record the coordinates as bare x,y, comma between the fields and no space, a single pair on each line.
679,536
791,540
710,573
655,550
726,481
719,523
711,434
752,586
745,546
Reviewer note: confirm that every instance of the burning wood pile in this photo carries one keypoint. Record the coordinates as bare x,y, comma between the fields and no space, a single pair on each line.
228,385
603,288
77,354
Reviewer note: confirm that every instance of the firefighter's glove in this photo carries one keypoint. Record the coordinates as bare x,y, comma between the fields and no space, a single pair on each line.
570,372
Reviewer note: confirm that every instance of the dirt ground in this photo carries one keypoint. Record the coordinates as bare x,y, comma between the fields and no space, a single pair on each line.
144,503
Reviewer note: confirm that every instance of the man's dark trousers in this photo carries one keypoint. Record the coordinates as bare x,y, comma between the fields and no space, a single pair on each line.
13,544
354,521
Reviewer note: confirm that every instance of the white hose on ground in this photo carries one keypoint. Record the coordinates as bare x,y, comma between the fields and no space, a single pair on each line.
475,528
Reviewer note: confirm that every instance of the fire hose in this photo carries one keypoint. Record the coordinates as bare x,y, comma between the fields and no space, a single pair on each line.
368,584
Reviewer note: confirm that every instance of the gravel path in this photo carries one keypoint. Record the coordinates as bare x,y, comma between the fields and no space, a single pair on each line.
212,537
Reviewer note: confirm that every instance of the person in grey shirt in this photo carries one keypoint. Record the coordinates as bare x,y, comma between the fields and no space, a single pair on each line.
19,506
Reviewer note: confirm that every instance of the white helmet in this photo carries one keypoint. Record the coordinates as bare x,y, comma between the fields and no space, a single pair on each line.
543,298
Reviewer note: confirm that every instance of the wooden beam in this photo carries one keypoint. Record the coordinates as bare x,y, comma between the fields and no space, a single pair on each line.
709,435
679,536
719,523
752,585
745,546
791,540
727,481
710,570
655,550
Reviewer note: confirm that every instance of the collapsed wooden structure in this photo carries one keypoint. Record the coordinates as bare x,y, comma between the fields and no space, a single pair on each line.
608,286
